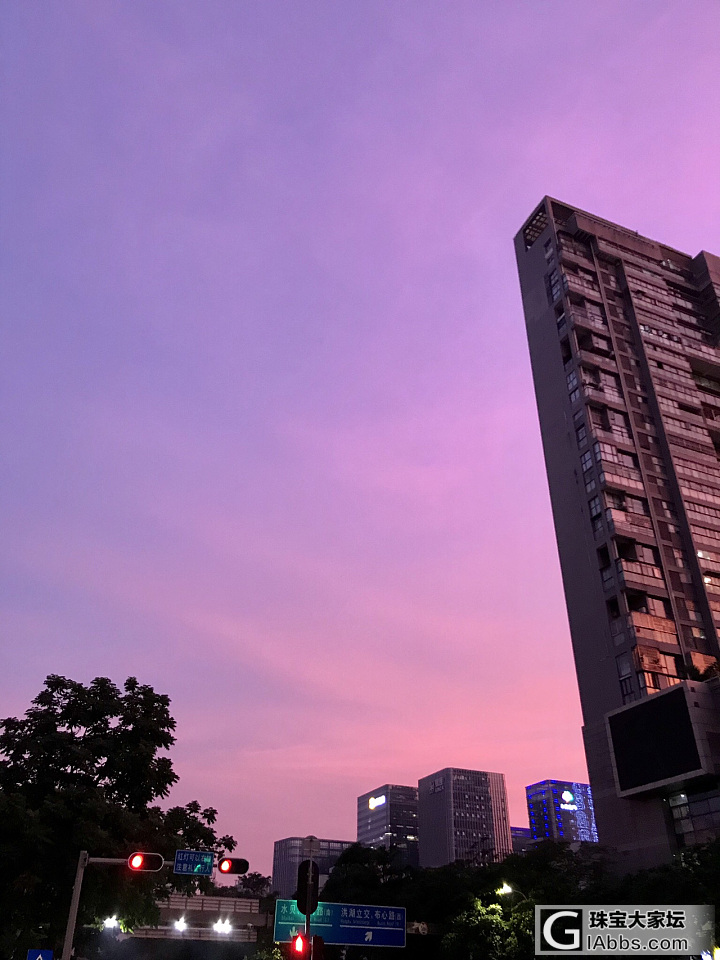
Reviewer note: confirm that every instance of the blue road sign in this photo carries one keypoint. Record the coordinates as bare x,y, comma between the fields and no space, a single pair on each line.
39,955
196,863
343,923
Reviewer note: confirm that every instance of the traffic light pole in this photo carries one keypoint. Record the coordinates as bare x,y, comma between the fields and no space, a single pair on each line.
83,861
72,917
307,915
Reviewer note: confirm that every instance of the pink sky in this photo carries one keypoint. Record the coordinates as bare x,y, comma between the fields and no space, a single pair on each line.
269,428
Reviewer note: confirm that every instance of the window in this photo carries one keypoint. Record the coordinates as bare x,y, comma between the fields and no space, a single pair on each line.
552,286
619,424
658,607
627,459
646,554
623,666
637,505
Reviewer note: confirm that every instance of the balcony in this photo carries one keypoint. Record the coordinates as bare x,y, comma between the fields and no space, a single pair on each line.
619,521
590,321
642,576
643,626
624,477
635,569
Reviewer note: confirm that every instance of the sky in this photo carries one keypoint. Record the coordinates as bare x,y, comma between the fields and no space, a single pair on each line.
269,438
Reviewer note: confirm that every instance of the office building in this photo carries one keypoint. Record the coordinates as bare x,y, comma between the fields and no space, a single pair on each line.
521,839
289,853
387,817
624,343
463,815
560,810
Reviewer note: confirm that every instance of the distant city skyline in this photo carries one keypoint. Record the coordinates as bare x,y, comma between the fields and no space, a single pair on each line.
270,437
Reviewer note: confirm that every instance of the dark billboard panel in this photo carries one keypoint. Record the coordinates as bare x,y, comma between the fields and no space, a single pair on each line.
654,740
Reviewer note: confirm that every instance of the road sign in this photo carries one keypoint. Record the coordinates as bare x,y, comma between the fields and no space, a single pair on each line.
343,923
196,863
40,954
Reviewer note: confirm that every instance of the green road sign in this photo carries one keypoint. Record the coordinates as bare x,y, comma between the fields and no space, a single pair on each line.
343,923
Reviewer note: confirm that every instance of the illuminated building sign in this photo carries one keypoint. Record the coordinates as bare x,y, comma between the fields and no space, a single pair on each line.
568,799
376,802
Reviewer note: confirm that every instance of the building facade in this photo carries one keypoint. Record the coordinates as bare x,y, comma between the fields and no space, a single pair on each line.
625,350
463,815
561,810
289,853
521,838
388,817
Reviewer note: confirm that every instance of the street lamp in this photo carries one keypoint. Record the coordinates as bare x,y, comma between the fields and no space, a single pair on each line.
506,889
110,922
181,924
222,926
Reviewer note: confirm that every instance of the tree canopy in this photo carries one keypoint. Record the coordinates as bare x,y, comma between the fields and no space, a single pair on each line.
81,771
471,918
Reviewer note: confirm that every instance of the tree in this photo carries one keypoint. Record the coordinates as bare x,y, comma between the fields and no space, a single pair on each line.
80,772
94,737
253,886
480,933
361,875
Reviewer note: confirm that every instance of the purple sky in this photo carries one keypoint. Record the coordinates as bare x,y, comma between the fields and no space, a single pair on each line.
270,440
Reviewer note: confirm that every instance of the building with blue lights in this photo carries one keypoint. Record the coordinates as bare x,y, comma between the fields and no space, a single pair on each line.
561,810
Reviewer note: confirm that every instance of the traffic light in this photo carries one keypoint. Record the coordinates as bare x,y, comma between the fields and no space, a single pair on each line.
145,862
307,887
300,947
232,865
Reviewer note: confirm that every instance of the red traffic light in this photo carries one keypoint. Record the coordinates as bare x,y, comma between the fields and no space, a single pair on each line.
145,862
300,946
232,865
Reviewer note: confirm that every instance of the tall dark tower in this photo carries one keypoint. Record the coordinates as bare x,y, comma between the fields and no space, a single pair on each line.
388,817
624,337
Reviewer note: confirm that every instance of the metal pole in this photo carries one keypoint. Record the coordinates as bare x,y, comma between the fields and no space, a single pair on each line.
307,915
72,916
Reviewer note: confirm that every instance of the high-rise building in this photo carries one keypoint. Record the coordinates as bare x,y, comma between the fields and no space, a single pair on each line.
463,815
624,337
289,853
522,839
387,817
561,810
